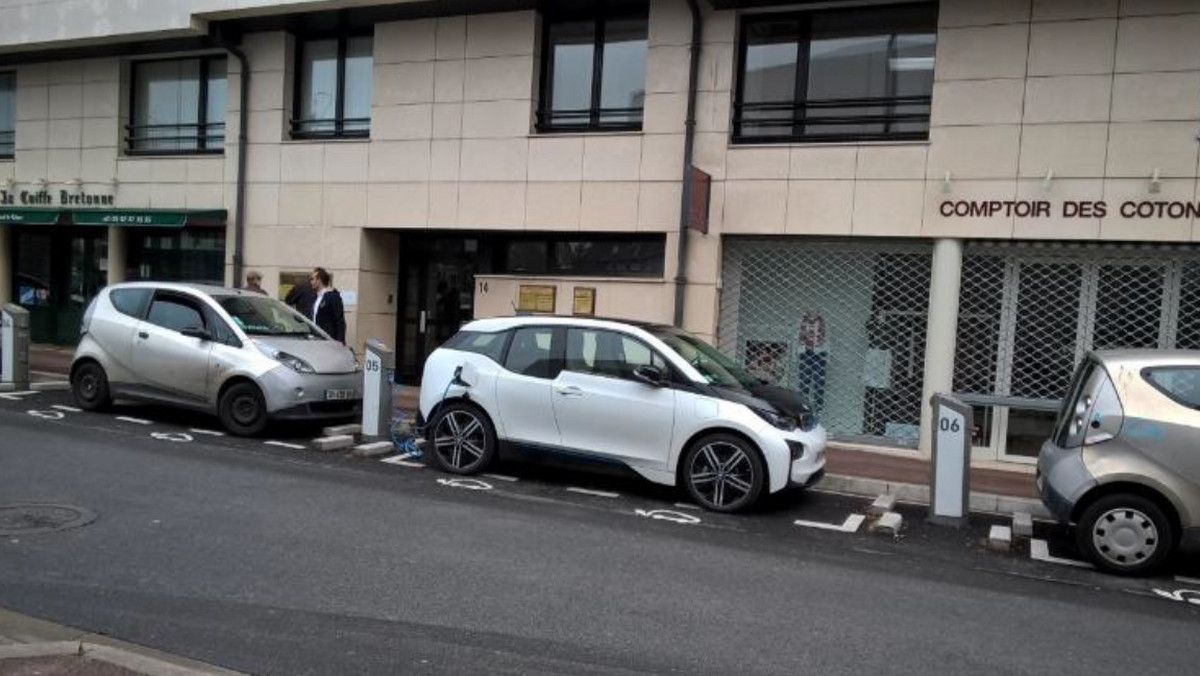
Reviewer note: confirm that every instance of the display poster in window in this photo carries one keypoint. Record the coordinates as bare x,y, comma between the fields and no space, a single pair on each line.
765,359
536,298
584,301
290,280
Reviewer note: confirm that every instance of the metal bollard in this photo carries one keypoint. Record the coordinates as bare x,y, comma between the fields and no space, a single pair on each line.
950,466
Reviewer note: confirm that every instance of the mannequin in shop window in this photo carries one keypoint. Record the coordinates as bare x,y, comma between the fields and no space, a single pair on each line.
813,360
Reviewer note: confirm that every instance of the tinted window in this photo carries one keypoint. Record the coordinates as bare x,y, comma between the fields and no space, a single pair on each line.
335,88
530,353
130,301
608,353
178,106
490,345
1179,383
175,314
602,256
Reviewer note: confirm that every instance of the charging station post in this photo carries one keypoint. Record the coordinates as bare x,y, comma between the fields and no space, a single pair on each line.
379,365
14,346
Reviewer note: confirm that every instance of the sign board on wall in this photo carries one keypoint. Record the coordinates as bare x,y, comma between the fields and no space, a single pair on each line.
289,280
536,298
1131,209
584,302
698,200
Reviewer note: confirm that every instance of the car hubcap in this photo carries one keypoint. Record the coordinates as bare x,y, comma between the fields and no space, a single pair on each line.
459,439
245,410
722,474
88,385
1125,537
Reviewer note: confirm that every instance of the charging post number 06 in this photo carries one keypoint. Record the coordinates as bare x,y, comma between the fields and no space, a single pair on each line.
949,424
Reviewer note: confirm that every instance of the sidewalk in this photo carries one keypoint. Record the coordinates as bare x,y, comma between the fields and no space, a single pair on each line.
29,647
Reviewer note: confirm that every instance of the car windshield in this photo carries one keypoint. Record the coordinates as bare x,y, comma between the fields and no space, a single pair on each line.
262,316
715,367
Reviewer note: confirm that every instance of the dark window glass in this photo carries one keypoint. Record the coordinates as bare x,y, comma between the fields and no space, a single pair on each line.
600,256
178,106
1181,384
525,256
334,88
130,301
530,353
836,75
490,345
8,113
192,254
174,314
608,353
595,71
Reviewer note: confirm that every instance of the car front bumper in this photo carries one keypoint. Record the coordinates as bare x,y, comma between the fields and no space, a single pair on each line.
303,396
807,469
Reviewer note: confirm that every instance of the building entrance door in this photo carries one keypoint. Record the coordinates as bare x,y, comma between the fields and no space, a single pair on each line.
437,278
58,272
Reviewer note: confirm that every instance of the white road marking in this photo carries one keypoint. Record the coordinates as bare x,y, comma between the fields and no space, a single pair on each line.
46,374
399,460
668,515
469,484
1183,595
686,505
284,444
502,477
1187,580
850,525
68,409
211,433
1039,550
136,421
588,491
16,396
48,415
178,437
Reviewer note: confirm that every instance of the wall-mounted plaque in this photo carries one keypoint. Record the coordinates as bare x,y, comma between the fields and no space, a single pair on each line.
584,302
536,298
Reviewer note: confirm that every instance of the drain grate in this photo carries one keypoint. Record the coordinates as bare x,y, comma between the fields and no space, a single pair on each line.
29,519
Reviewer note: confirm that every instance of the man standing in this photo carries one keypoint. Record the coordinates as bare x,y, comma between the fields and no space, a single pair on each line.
300,298
328,313
254,282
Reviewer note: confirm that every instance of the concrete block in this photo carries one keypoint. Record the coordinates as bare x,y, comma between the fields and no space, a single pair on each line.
914,493
1000,538
374,449
1035,508
340,430
333,443
1022,524
889,524
882,505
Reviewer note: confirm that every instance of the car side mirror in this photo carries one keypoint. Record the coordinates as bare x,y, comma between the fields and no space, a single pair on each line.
651,375
196,332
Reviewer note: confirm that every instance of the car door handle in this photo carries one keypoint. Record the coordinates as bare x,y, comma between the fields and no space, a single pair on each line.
569,391
143,334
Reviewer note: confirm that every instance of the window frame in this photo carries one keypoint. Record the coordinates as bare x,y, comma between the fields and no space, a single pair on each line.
598,15
800,92
8,147
202,133
295,122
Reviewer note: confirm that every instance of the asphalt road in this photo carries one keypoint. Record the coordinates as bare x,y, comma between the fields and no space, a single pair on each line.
274,560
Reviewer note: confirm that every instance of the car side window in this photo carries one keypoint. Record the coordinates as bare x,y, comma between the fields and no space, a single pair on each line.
1180,383
490,345
530,352
175,313
220,330
608,353
130,301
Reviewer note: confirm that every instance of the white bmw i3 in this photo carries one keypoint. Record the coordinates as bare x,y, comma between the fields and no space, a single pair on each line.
655,399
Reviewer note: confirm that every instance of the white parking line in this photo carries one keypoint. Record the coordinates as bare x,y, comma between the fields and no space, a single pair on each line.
68,409
296,447
1187,580
686,505
399,460
211,433
502,477
136,421
16,396
1039,550
588,491
850,525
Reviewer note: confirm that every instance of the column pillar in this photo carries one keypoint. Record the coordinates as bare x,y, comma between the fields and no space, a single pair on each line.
117,250
7,262
942,330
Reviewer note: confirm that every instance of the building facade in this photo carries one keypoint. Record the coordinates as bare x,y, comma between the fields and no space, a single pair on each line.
882,199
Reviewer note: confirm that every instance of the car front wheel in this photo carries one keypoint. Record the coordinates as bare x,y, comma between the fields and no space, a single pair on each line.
723,473
1125,534
89,386
462,439
243,410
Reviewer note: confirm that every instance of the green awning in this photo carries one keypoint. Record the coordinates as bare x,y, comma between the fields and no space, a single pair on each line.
145,218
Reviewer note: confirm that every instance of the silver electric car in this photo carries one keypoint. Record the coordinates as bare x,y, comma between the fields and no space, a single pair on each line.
1123,464
243,356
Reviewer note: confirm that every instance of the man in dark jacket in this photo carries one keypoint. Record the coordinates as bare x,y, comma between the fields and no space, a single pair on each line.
328,312
300,298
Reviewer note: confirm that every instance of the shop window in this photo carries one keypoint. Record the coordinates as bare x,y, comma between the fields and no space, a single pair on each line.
190,255
594,69
8,114
177,106
857,74
635,256
333,85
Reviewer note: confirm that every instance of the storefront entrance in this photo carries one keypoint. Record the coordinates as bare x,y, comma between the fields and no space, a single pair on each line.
57,273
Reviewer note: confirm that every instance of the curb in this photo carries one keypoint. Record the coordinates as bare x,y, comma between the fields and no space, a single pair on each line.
918,494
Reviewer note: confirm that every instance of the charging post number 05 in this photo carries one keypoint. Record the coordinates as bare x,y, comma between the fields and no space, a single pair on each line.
373,364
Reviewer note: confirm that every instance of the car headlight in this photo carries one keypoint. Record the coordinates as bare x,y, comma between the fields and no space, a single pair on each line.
784,422
289,360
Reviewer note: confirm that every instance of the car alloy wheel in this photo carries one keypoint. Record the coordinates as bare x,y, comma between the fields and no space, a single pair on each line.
462,439
91,387
722,474
1125,534
243,410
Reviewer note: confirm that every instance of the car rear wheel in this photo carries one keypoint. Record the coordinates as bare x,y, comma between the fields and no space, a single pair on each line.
462,439
89,386
243,410
723,473
1126,534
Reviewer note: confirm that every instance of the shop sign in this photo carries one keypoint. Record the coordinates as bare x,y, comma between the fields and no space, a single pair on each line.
1131,209
29,216
46,198
168,219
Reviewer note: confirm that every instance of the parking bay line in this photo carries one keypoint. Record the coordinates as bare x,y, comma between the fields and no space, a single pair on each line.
68,409
502,477
284,444
850,525
588,491
1187,580
1039,550
136,421
212,433
399,460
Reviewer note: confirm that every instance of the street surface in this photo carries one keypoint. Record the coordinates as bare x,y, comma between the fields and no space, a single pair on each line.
272,559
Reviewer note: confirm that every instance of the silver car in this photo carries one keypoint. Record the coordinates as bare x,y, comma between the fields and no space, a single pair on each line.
1124,462
244,356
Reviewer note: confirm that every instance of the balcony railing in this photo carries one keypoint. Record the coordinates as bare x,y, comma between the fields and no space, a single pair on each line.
175,139
324,128
590,119
7,144
862,119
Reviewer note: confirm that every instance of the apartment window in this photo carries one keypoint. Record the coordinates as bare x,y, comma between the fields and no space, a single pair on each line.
8,114
333,85
177,106
858,74
599,256
594,70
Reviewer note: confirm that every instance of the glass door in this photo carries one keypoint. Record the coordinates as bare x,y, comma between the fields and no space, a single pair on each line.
58,272
437,279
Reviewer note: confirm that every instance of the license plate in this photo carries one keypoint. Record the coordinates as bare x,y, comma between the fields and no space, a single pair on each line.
339,394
